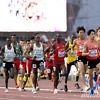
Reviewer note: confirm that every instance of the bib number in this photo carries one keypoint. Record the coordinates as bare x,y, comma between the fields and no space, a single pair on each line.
4,64
93,52
81,47
34,66
61,53
38,53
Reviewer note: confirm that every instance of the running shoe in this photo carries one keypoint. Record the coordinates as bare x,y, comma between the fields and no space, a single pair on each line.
91,92
95,77
37,88
77,86
85,89
34,90
17,86
22,89
6,91
55,91
65,88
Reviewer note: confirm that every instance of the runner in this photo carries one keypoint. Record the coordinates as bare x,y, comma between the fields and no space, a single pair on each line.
82,60
37,50
18,56
49,60
91,49
71,60
28,65
58,50
9,53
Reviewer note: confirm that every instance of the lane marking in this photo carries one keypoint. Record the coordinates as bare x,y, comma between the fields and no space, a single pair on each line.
77,91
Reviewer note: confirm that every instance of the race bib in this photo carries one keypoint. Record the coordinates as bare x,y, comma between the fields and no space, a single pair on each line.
38,53
93,52
4,64
34,65
61,53
81,47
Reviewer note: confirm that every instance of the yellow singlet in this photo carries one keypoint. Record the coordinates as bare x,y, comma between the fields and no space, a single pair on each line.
71,57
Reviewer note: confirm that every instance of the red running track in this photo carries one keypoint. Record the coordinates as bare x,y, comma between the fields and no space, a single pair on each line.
45,93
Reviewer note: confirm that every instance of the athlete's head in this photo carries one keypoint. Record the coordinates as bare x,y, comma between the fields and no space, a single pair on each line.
21,42
13,38
37,38
8,41
91,33
98,31
81,31
58,37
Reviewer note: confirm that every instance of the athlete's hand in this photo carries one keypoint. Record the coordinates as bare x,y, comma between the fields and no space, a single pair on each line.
34,57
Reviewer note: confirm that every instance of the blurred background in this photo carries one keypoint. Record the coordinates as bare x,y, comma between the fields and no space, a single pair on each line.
26,17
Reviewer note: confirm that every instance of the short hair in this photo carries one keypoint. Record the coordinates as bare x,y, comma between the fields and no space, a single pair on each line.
80,28
89,31
36,34
13,35
97,29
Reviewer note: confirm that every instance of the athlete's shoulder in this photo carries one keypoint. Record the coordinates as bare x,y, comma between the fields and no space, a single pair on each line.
97,38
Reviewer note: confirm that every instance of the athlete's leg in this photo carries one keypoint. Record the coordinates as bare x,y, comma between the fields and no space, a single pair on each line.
6,77
82,72
77,76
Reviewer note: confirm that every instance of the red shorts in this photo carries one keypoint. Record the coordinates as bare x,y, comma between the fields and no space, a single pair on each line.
58,65
23,65
28,66
17,62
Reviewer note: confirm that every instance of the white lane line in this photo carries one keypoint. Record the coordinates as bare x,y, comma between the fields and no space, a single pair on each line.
76,91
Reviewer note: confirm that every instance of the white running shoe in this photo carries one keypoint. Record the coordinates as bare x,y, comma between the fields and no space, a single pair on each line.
55,91
37,88
6,91
34,90
86,89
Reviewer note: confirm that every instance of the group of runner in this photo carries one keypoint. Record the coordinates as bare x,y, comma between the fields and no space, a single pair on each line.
83,51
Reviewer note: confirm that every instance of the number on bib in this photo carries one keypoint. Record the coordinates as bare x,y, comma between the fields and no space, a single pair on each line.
93,52
61,53
34,65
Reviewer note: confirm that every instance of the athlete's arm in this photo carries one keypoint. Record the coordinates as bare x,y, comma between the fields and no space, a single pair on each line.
2,51
85,53
53,49
26,52
67,47
14,49
44,50
74,44
99,44
47,49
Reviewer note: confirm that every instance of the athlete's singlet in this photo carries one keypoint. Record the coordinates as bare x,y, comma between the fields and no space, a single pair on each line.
59,53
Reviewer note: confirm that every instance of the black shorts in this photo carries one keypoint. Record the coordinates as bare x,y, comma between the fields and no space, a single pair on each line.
92,63
72,63
37,64
8,65
82,59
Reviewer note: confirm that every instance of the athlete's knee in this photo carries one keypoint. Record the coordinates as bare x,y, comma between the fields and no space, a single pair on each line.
82,73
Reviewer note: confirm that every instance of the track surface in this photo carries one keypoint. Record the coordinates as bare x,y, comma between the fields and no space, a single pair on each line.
45,93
